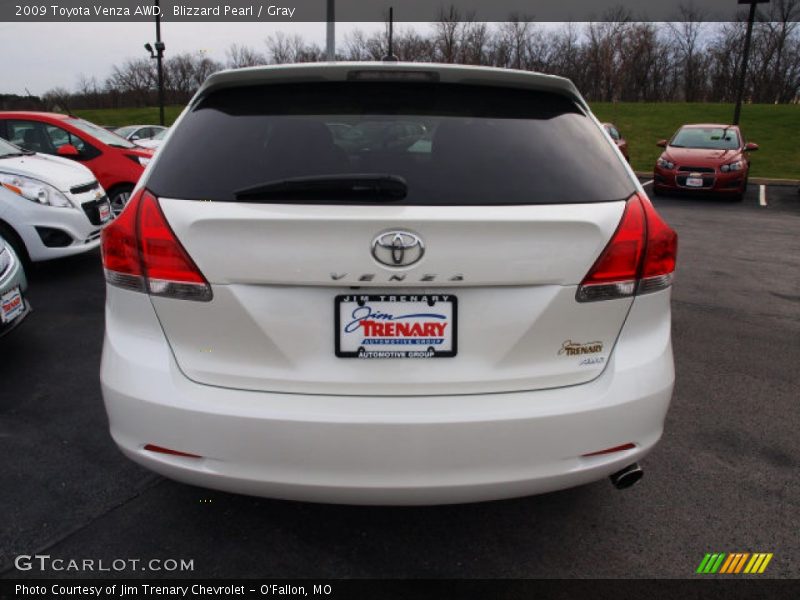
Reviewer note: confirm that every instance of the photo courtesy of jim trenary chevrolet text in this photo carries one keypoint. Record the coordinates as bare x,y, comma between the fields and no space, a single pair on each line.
399,298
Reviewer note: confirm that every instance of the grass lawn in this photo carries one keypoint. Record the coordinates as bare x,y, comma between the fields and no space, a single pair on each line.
773,127
130,116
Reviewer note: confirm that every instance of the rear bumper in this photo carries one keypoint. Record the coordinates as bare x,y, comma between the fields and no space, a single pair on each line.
383,450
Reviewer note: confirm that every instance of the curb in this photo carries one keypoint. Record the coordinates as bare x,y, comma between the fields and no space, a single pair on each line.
756,180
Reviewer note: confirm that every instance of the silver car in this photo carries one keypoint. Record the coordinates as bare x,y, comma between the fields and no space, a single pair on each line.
13,305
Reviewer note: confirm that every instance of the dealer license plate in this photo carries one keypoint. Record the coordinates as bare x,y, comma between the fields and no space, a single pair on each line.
396,326
11,305
105,212
694,181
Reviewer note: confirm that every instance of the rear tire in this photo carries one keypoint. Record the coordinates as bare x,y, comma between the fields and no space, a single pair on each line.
119,197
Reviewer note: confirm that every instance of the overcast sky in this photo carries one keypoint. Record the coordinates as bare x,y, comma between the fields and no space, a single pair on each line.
41,56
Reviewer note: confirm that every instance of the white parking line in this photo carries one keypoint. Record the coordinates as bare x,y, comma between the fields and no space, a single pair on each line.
647,183
762,195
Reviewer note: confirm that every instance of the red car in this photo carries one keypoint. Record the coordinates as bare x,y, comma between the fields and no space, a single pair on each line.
115,162
620,141
707,158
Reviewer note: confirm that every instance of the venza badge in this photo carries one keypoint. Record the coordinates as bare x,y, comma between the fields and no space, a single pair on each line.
397,248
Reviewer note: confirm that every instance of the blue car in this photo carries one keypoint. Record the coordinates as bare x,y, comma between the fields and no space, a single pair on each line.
13,305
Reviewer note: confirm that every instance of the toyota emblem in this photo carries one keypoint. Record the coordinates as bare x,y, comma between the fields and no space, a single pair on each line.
397,248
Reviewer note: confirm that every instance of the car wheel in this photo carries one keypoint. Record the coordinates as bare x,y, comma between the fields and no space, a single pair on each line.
16,243
119,197
739,197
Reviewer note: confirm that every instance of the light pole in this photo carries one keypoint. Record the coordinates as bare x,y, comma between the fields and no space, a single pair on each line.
390,57
745,56
158,54
331,31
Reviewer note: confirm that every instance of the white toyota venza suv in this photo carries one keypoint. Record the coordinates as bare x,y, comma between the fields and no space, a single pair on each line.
388,284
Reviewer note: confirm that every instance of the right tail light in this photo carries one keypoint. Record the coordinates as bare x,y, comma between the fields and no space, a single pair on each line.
639,258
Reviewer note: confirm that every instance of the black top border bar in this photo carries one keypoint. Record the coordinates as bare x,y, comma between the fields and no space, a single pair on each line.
405,11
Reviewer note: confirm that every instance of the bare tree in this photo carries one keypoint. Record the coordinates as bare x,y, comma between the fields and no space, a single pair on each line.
687,36
57,99
612,59
282,49
136,77
447,35
355,44
244,56
474,43
203,68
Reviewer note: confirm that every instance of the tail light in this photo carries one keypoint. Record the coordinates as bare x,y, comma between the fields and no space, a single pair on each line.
142,253
639,259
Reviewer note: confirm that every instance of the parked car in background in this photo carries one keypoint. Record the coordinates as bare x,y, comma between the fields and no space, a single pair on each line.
116,163
154,142
13,305
301,309
139,133
618,138
49,206
707,158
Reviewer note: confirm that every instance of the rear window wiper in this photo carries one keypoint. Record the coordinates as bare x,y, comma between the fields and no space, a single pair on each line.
349,186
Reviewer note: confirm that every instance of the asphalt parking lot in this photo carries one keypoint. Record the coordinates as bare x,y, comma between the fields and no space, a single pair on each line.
723,479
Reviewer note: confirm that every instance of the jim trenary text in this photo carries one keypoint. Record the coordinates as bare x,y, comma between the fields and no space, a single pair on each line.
123,590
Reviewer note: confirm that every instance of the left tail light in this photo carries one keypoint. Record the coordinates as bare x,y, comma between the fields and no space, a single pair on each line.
142,253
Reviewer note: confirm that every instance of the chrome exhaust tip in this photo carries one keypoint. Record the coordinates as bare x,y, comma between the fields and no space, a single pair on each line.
627,477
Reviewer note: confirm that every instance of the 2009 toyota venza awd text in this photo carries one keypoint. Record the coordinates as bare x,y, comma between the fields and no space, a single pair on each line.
391,284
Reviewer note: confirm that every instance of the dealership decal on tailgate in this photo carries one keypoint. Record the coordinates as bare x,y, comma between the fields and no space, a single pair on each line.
396,326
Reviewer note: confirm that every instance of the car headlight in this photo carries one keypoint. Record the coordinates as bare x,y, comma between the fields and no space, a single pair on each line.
34,190
665,164
734,166
143,161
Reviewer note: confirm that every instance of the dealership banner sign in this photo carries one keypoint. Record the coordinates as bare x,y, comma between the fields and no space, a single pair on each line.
361,10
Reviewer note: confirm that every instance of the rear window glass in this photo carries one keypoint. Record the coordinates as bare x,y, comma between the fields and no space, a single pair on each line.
451,144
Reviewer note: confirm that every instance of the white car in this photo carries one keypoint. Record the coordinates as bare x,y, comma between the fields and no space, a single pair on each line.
14,307
154,143
483,316
139,133
50,207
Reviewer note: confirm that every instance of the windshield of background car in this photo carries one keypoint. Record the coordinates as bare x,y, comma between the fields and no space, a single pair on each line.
711,138
452,144
107,137
7,149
